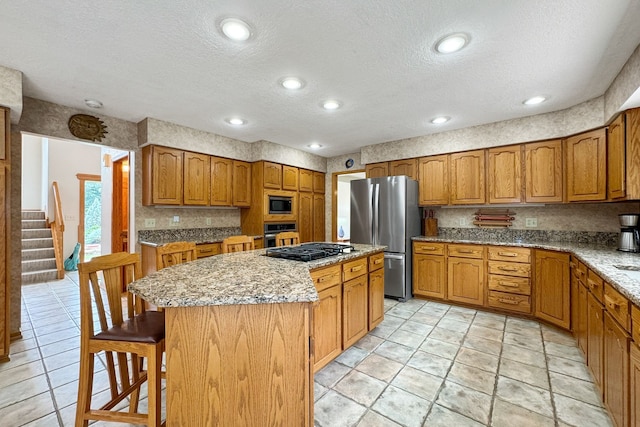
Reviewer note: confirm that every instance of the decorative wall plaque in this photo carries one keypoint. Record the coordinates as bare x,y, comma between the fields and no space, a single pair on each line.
88,127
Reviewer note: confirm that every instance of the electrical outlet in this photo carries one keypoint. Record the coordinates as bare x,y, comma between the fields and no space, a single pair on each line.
531,222
463,221
149,222
176,218
207,221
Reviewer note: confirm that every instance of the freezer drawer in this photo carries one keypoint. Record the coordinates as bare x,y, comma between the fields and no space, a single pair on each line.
395,276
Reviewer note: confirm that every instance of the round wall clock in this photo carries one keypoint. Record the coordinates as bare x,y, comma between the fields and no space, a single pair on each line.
84,126
349,163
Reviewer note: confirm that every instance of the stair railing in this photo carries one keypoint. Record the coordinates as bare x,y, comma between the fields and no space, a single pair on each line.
57,230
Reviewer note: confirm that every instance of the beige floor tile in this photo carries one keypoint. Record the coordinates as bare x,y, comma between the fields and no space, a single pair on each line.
335,410
418,382
453,325
22,390
406,338
440,348
20,373
485,333
402,407
523,355
331,374
585,391
443,417
394,351
468,402
561,350
533,342
379,367
416,327
373,419
580,414
471,377
527,396
506,414
27,410
478,359
482,344
430,363
446,335
526,373
360,387
568,367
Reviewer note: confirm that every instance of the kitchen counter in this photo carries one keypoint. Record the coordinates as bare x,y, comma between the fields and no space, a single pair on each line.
198,240
601,259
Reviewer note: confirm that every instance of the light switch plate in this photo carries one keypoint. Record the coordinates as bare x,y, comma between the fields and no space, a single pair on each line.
531,222
208,221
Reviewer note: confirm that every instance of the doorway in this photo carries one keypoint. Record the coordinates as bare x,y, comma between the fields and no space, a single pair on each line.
120,206
341,204
90,225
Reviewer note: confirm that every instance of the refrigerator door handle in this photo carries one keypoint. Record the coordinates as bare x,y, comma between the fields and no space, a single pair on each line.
393,256
376,215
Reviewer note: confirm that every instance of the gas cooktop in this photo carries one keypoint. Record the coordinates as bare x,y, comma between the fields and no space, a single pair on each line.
309,251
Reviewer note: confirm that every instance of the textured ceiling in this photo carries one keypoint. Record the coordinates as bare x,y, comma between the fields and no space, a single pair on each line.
166,59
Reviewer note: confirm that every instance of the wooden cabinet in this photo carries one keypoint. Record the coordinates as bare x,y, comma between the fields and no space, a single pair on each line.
429,270
305,180
634,385
504,174
509,277
355,310
579,301
467,179
196,178
408,167
377,170
241,184
552,287
632,153
5,280
586,156
434,180
376,297
4,132
465,274
616,371
616,167
318,182
162,176
204,250
595,337
318,218
222,182
289,178
272,175
327,315
543,172
305,217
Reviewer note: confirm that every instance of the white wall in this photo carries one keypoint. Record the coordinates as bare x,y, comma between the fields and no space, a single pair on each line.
344,202
32,183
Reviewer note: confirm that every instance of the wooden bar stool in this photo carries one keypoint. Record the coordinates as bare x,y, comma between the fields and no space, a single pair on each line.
287,238
140,334
237,244
175,253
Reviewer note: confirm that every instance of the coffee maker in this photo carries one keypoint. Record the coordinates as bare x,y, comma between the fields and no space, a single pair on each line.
629,239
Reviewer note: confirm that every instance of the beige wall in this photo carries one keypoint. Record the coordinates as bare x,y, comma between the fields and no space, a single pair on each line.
624,85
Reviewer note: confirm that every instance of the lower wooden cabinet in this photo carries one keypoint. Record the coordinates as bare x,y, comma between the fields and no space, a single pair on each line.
634,385
595,350
616,371
429,276
327,326
376,298
465,280
552,288
582,319
355,310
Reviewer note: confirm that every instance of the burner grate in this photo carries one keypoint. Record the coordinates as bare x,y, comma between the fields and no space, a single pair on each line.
309,251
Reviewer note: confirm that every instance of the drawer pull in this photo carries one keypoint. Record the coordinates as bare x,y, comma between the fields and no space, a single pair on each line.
378,261
508,301
507,268
592,284
464,251
611,303
572,265
509,254
508,285
429,248
356,268
325,278
204,251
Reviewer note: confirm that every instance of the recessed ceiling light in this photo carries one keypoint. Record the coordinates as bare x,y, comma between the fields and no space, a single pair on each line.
236,121
292,83
331,104
93,103
235,29
452,43
314,146
440,120
535,100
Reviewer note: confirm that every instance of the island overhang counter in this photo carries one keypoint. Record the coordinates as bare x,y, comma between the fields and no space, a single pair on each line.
239,346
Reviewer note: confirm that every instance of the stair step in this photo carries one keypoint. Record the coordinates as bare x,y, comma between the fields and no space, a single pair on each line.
38,253
33,223
39,276
40,243
38,265
33,214
36,233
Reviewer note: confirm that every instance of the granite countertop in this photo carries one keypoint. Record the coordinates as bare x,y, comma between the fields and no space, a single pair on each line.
237,278
599,258
197,240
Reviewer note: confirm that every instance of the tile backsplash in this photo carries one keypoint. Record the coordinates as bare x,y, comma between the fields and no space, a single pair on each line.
515,235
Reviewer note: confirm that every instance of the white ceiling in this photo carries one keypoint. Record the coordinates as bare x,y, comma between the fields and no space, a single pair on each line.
167,60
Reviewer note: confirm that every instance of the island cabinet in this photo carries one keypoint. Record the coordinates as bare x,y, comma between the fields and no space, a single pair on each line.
552,287
162,176
196,178
376,290
543,172
509,278
355,296
465,274
586,159
434,180
377,170
616,167
327,315
429,270
408,167
467,178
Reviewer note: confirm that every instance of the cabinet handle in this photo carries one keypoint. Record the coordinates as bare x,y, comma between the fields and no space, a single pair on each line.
611,303
509,254
205,251
464,251
508,285
507,268
378,261
508,301
356,268
325,278
429,248
572,264
592,284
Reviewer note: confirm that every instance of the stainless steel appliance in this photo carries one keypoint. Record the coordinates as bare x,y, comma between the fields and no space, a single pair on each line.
384,211
271,229
280,205
309,251
629,239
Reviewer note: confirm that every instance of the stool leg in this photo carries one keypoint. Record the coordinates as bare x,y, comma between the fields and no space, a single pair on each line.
85,387
136,367
154,384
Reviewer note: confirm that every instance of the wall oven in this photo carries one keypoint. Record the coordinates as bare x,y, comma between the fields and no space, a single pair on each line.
271,229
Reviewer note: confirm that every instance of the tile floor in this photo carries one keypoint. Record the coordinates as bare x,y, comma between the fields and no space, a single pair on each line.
427,364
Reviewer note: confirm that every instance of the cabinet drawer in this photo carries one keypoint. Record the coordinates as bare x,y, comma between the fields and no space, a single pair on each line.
617,305
516,285
635,324
376,261
509,268
354,269
513,302
428,248
465,251
324,278
596,285
208,249
510,254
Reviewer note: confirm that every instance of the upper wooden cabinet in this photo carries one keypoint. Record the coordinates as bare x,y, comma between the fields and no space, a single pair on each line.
162,176
467,178
289,178
632,151
408,167
197,176
318,182
587,166
4,132
306,180
377,170
434,180
504,174
221,181
552,287
272,175
543,171
241,184
616,168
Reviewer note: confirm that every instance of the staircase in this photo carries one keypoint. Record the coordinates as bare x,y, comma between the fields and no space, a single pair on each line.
38,257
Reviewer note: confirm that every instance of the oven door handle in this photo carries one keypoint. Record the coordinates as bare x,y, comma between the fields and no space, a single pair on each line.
269,236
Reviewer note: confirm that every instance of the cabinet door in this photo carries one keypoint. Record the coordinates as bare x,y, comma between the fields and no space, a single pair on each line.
4,132
377,170
465,280
197,175
318,182
583,319
587,166
632,151
467,178
272,175
616,371
354,310
543,172
376,298
318,218
327,326
553,288
221,182
166,176
289,178
408,167
595,334
5,321
306,180
434,180
616,169
634,385
429,275
505,171
305,217
241,184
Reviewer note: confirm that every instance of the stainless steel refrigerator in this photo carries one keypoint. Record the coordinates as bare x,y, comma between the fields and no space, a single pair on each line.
384,211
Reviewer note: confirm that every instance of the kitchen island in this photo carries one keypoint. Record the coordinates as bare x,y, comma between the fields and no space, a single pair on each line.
239,340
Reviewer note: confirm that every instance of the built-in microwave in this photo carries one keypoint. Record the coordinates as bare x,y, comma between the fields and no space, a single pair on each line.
280,205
